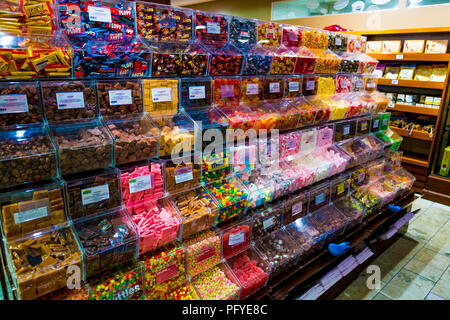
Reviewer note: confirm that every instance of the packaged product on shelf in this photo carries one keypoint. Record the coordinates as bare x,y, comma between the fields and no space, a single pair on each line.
163,23
327,62
289,114
38,262
315,39
344,130
251,270
26,156
35,56
358,151
406,71
319,197
183,292
231,196
103,59
203,252
295,206
69,101
374,46
308,239
210,28
198,209
177,133
142,182
266,219
349,63
107,240
215,165
236,238
257,60
343,83
163,271
337,42
290,144
269,34
280,250
93,193
326,86
217,283
310,85
267,117
195,93
376,145
284,61
384,120
121,283
423,73
243,32
160,96
83,147
356,43
134,139
306,61
225,61
293,86
391,72
273,87
120,98
328,221
20,105
226,91
363,126
307,111
251,89
181,173
359,177
291,36
27,210
390,139
438,73
367,64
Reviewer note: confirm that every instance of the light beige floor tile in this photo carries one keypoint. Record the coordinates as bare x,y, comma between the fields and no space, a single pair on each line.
432,296
422,230
442,289
440,242
429,264
441,206
381,296
435,216
423,204
358,290
407,285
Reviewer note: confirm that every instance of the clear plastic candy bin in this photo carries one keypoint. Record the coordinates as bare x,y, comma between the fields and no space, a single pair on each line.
203,251
236,238
217,283
295,206
306,236
266,219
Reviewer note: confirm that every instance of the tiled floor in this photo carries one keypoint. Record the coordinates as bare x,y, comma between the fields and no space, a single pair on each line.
415,267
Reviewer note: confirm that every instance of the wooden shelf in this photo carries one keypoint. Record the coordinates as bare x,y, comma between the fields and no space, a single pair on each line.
412,56
397,31
415,109
412,83
414,134
415,161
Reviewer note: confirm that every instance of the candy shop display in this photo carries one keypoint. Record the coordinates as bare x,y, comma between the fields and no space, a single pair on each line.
89,194
358,83
325,135
243,32
327,62
351,208
375,124
181,173
163,23
251,89
390,139
203,252
122,283
266,219
290,144
29,210
26,156
83,147
177,133
326,86
295,206
273,87
384,120
208,118
315,39
337,42
344,130
142,182
308,140
68,294
306,61
323,113
343,83
373,196
32,56
158,223
39,261
359,177
375,169
307,112
251,270
280,250
358,151
236,239
183,292
340,187
349,63
293,86
163,271
375,144
267,117
215,166
259,185
195,93
401,179
291,36
238,118
119,98
226,91
319,196
367,64
257,61
356,43
289,114
328,221
198,209
309,87
134,139
370,84
231,196
217,283
269,34
69,101
363,126
284,61
308,239
225,61
160,96
268,150
20,105
337,105
211,29
380,100
107,240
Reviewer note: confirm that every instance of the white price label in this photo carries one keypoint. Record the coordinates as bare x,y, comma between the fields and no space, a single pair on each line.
236,238
70,100
120,97
94,194
274,87
346,130
99,14
161,94
252,88
297,208
371,84
294,86
344,84
338,41
183,174
395,81
213,28
32,210
359,83
141,183
399,57
310,85
13,103
376,123
269,222
391,105
197,92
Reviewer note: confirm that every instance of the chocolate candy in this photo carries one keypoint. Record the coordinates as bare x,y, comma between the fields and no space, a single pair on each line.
357,150
181,173
108,240
251,89
135,140
236,239
19,104
226,91
120,99
163,23
349,63
26,156
273,88
160,96
90,194
269,34
243,32
165,60
203,252
194,61
295,207
226,61
319,197
344,130
306,236
337,42
40,262
69,101
257,61
211,29
195,93
315,39
328,221
266,219
83,147
177,132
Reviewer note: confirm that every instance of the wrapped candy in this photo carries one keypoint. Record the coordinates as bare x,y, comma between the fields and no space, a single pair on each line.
269,34
243,32
226,91
283,61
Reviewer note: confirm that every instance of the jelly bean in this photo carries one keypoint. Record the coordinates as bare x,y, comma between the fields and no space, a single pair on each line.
243,33
273,88
315,39
226,92
292,87
283,61
215,284
251,89
225,61
269,34
211,29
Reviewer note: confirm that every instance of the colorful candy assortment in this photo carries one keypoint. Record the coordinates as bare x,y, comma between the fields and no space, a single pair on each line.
236,239
269,34
217,283
203,252
211,29
243,32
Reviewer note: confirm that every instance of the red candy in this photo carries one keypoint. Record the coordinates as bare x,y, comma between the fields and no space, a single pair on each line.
235,240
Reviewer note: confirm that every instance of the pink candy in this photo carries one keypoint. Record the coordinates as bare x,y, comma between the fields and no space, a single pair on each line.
324,137
290,145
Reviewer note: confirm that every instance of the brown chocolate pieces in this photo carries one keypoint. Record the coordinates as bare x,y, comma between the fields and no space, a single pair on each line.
114,104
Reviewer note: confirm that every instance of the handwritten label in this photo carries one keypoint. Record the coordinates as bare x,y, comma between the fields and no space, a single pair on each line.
197,92
252,88
120,97
227,91
99,14
297,208
161,94
212,28
94,194
32,210
274,87
183,174
236,238
13,103
141,183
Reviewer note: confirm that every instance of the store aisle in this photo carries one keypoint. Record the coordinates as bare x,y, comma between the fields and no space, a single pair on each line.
415,267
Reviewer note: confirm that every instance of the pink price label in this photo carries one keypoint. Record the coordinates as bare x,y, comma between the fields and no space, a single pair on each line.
227,91
166,274
204,253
